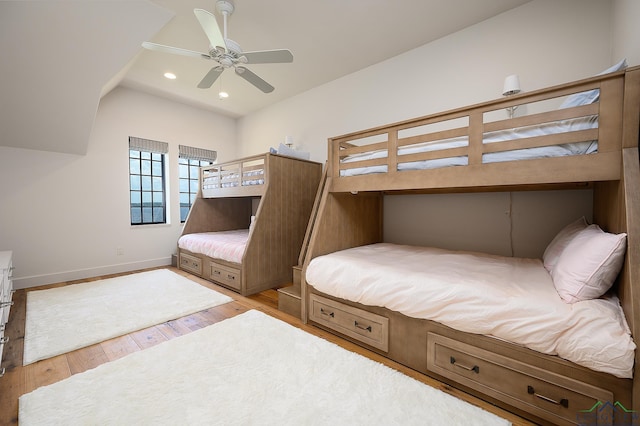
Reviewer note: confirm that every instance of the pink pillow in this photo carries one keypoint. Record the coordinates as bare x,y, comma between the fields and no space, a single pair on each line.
561,240
589,264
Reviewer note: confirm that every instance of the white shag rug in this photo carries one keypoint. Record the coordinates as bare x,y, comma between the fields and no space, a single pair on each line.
64,319
248,370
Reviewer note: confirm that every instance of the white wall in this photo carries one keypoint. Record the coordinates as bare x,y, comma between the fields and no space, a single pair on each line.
546,42
64,215
626,31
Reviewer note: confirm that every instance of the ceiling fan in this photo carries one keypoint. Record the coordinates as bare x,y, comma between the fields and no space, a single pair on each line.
226,52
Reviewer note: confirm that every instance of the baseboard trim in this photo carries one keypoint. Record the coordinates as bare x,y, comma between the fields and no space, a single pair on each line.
79,274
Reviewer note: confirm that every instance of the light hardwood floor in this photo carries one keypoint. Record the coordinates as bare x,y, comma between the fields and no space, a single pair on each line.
19,380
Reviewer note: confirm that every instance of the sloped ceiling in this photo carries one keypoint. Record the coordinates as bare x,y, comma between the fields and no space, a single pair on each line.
56,57
59,57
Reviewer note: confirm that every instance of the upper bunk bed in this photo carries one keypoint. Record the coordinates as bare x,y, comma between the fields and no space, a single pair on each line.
580,141
246,225
589,142
244,177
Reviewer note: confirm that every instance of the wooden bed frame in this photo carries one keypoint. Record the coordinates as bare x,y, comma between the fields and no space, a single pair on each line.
281,201
543,388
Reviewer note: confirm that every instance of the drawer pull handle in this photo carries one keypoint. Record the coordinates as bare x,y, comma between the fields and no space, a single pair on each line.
475,368
361,327
564,402
323,312
231,277
216,272
4,340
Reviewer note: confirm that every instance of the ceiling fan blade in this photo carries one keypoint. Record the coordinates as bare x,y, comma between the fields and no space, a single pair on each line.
210,26
254,79
174,50
269,56
211,77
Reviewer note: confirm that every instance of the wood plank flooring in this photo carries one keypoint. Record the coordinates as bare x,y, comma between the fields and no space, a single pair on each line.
19,380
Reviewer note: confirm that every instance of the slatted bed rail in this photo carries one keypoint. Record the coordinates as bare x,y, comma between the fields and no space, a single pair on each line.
243,177
476,146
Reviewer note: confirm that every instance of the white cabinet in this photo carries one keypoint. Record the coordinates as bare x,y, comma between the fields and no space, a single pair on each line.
6,292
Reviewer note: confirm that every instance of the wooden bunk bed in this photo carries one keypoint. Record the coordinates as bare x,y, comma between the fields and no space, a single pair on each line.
261,204
365,167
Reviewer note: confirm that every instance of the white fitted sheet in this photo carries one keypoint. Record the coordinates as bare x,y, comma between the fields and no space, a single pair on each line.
508,298
225,245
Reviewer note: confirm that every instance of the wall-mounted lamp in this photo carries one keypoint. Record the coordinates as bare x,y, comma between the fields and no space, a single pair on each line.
288,141
511,87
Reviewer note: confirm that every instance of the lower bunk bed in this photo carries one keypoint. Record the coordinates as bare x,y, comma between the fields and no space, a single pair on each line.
552,339
482,321
215,255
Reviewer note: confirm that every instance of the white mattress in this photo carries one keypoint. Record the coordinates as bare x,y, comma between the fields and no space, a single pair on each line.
508,298
582,123
225,245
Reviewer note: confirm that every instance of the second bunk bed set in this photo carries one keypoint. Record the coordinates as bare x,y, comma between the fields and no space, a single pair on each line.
246,226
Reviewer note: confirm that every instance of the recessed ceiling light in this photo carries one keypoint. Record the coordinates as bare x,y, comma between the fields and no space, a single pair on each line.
223,95
170,75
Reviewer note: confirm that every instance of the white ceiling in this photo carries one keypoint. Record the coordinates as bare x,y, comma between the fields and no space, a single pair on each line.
60,57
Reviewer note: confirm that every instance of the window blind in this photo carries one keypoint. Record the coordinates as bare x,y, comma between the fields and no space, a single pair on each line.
192,153
140,144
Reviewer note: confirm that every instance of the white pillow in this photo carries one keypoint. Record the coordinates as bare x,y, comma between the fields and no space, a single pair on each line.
590,96
560,241
290,152
589,264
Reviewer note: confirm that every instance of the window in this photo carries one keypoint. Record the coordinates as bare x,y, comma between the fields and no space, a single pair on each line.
147,181
189,163
189,171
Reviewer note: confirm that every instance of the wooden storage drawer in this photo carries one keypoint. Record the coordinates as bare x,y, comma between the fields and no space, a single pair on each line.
555,398
5,308
225,275
6,293
191,263
5,299
3,340
361,325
